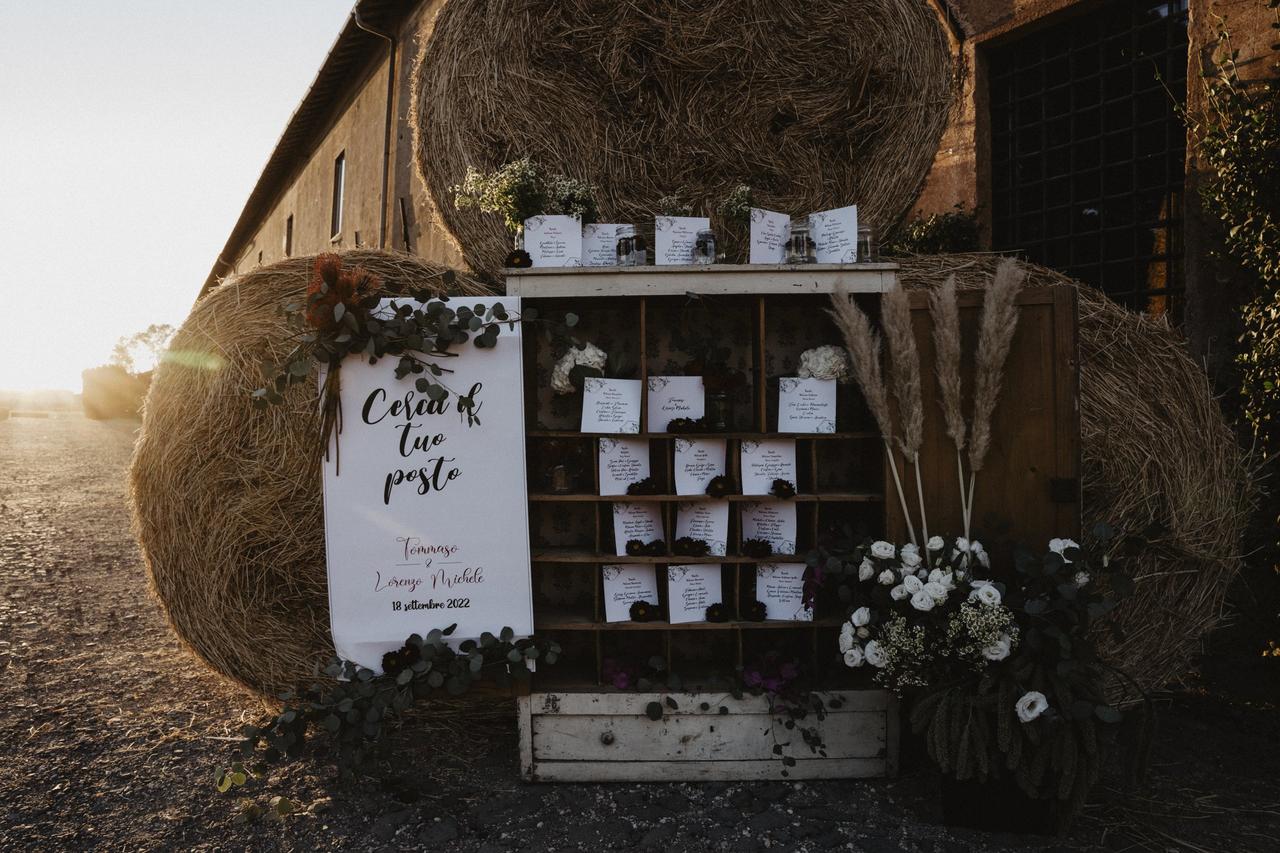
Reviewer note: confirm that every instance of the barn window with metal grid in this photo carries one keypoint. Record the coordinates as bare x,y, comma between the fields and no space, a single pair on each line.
1087,150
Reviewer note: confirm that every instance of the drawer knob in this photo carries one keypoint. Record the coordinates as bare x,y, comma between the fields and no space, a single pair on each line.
606,738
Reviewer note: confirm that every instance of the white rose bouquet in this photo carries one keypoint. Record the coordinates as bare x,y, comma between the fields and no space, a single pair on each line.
826,362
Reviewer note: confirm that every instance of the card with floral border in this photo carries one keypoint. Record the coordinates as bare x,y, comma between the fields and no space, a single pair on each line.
641,521
766,461
610,405
672,397
835,235
673,238
625,585
600,244
772,521
769,234
691,590
705,520
623,461
780,587
697,462
553,241
806,405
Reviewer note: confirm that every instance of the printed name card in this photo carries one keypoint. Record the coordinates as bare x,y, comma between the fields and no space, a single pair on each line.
766,461
780,586
705,520
691,590
623,461
600,244
553,241
625,585
806,405
769,234
774,522
697,462
641,521
409,514
835,235
672,397
610,405
673,238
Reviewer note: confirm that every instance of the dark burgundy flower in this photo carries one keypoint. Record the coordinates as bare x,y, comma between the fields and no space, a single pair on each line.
518,260
757,611
717,613
393,663
685,425
720,486
783,489
757,548
647,486
643,611
687,546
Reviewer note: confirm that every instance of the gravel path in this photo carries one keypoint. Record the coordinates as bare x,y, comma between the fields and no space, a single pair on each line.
114,731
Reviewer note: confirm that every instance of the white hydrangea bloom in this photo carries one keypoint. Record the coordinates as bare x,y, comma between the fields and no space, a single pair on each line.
826,362
589,355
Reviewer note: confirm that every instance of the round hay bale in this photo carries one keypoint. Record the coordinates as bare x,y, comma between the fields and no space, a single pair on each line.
1156,450
226,497
815,105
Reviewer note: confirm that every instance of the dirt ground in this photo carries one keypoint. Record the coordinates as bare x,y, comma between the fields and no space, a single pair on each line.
113,733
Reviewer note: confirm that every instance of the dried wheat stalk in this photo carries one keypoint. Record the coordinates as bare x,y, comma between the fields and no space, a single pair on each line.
895,316
946,344
863,344
999,321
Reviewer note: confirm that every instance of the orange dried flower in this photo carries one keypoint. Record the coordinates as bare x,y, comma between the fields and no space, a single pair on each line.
332,284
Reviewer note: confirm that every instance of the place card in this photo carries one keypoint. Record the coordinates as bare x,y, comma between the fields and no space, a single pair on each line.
600,244
774,522
705,520
672,397
673,238
691,590
623,461
553,241
610,405
697,462
806,405
624,585
769,234
780,587
766,461
641,521
835,235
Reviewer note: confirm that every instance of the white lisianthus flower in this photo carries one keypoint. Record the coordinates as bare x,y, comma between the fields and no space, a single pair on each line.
882,550
935,543
1058,546
910,559
1082,578
875,655
866,570
863,633
962,545
861,617
948,580
980,553
826,362
887,577
999,650
899,592
922,600
589,355
988,595
913,584
854,656
1031,705
935,576
846,640
936,591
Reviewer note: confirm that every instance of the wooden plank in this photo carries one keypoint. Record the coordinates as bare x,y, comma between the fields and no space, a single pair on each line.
524,721
706,771
730,737
1067,388
551,621
613,702
749,436
714,279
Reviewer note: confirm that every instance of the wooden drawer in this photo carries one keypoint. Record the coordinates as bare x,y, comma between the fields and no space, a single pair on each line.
577,737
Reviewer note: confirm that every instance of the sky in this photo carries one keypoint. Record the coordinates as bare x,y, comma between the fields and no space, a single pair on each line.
131,134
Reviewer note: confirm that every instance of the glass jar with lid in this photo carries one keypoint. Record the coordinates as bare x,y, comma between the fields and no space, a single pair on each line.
704,248
800,247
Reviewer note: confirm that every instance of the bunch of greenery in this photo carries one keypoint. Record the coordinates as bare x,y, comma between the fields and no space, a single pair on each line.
354,711
938,233
522,189
1041,716
735,208
674,205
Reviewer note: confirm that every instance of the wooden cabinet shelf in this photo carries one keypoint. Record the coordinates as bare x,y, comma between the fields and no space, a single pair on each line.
860,435
572,622
828,497
569,555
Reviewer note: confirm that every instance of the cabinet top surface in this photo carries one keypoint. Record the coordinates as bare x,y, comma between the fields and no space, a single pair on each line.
777,279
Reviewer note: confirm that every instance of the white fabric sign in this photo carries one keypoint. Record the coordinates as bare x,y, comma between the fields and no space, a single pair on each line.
835,235
553,241
411,501
806,405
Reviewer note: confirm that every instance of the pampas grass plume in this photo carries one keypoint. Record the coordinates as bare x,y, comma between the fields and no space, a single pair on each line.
895,316
946,345
999,321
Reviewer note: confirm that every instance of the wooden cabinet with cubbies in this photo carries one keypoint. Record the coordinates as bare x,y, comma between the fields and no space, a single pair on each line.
755,321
